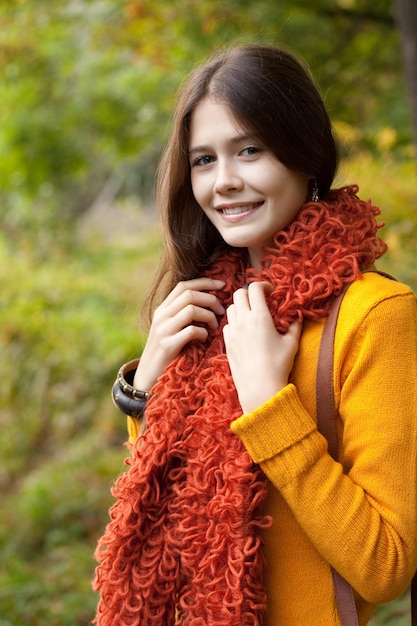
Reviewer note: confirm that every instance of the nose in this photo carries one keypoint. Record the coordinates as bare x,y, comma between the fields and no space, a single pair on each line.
228,177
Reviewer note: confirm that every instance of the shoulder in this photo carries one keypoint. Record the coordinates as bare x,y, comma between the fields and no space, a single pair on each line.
375,291
370,297
376,309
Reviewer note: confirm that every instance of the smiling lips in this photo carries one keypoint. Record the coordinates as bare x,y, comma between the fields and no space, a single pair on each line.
237,209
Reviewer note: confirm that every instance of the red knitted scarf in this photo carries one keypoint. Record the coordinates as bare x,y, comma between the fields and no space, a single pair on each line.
183,546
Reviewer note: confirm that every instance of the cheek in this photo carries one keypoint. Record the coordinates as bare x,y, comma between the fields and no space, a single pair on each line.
203,195
197,188
209,215
294,190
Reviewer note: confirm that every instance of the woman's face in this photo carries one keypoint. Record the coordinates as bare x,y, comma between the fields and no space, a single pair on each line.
240,185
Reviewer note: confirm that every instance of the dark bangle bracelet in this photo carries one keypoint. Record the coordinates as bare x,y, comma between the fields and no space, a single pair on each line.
125,377
127,405
127,399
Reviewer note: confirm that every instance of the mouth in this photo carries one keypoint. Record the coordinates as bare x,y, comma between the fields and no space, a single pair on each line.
237,209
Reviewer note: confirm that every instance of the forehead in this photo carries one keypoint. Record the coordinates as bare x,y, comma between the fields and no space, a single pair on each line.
212,119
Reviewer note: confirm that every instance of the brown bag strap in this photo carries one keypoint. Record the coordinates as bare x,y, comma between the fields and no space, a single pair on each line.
326,423
326,411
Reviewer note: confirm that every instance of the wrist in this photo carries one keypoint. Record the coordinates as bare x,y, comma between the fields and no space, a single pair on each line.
260,396
144,377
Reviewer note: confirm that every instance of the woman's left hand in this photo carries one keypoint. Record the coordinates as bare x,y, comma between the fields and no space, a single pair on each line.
260,358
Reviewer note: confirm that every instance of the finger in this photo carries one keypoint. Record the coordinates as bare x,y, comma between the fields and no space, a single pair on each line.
195,284
191,333
191,314
201,299
260,287
257,293
191,297
173,344
294,329
241,298
231,313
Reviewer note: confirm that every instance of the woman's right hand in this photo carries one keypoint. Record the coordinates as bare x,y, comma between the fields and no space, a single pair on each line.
173,326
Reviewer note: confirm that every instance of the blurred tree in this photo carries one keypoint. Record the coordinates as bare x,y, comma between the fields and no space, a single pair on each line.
407,23
88,85
75,106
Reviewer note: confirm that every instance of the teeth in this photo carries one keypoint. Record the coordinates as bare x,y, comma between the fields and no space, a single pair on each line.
238,209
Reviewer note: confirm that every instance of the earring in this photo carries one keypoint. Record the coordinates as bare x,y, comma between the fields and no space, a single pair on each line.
315,192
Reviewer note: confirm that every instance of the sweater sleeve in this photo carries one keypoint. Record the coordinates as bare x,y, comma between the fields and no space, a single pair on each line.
133,428
361,518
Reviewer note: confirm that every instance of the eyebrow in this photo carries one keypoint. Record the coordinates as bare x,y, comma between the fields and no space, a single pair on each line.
234,140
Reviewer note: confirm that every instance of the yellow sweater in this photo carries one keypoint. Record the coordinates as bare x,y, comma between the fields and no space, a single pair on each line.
361,519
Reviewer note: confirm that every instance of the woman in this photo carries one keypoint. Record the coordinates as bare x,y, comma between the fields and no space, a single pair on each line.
232,511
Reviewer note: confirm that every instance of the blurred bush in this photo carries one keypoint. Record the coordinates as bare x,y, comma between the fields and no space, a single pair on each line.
66,324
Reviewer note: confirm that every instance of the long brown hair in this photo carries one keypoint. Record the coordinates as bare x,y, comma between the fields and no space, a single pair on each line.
272,95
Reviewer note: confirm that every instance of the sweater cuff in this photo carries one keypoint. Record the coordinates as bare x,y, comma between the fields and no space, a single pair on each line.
278,426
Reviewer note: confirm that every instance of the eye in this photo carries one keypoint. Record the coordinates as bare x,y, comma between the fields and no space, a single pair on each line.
250,151
202,160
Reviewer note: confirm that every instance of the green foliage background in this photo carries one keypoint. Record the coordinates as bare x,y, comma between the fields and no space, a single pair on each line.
86,93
